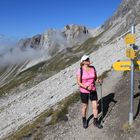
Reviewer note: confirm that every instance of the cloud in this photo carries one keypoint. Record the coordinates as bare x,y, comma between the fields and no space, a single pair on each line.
17,56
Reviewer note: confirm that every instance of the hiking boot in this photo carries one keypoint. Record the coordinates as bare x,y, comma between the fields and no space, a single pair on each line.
97,124
85,125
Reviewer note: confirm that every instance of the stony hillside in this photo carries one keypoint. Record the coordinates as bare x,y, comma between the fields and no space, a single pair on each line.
128,13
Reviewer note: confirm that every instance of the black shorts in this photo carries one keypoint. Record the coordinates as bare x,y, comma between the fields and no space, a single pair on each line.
86,96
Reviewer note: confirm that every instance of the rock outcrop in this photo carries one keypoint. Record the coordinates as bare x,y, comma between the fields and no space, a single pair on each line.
53,40
33,42
128,13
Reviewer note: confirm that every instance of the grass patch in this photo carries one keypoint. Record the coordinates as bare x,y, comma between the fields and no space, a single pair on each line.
61,112
88,46
126,127
33,129
125,73
18,80
37,127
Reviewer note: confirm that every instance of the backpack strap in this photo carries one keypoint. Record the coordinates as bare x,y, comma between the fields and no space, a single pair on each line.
81,73
94,72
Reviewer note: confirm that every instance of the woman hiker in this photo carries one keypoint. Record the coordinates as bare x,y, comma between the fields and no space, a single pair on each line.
86,77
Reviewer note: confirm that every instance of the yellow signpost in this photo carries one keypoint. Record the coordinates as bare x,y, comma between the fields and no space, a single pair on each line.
125,65
131,66
130,39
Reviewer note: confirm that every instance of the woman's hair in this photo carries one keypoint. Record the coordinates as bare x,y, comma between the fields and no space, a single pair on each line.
81,64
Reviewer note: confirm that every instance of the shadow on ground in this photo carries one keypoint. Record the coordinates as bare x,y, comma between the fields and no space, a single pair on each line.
137,95
106,110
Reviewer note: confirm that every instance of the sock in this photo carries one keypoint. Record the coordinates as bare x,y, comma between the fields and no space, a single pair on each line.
95,120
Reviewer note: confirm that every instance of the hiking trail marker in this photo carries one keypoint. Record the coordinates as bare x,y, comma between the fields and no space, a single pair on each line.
131,66
126,65
130,53
130,39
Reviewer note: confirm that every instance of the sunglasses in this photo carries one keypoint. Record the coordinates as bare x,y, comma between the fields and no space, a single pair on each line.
87,59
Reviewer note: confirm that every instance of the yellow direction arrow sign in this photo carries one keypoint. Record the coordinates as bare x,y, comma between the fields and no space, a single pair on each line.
130,39
125,65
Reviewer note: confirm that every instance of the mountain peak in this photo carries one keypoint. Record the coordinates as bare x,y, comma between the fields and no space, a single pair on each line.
55,40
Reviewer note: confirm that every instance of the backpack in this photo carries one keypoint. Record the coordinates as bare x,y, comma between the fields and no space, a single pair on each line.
81,73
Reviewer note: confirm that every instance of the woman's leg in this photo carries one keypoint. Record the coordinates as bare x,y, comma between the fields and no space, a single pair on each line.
95,108
84,112
94,100
84,99
84,109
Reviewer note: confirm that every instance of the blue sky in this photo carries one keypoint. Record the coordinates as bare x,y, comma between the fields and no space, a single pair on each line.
25,18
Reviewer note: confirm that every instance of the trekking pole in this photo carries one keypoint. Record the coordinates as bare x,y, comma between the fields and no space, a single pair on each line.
101,104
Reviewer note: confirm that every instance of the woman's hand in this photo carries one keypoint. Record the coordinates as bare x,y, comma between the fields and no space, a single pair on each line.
89,88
